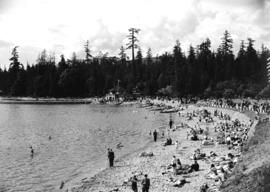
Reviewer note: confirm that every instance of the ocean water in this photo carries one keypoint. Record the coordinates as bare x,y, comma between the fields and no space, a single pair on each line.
80,136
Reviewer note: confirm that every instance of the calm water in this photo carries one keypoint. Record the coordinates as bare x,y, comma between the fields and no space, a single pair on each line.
80,135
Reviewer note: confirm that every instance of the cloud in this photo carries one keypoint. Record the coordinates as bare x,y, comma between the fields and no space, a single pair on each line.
5,44
6,5
105,40
63,26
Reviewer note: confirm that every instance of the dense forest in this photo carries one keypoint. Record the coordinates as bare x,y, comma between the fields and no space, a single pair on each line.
199,72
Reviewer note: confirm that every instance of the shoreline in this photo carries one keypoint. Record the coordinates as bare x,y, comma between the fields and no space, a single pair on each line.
54,101
44,101
114,179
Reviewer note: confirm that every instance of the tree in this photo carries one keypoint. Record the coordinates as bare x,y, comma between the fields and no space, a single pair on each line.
132,44
225,58
42,58
193,84
240,63
87,52
253,64
15,80
205,66
62,63
122,54
15,65
149,57
227,43
178,69
264,55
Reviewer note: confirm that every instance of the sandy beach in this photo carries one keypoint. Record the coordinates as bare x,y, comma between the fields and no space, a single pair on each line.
156,166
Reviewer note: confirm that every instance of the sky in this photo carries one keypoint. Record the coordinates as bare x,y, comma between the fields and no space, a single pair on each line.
63,26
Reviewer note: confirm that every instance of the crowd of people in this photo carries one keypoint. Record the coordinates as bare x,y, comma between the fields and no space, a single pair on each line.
228,131
232,133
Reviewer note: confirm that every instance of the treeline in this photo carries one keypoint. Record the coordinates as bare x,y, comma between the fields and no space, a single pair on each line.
200,72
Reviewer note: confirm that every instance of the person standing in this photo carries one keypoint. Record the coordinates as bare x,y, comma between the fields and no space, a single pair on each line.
145,184
176,146
174,163
111,157
155,135
171,123
134,186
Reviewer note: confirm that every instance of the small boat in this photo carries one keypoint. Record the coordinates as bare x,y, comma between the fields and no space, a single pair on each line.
157,109
173,110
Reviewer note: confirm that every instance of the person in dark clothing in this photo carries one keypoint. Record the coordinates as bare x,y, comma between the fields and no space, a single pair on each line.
170,123
111,157
32,151
145,184
134,186
155,135
194,167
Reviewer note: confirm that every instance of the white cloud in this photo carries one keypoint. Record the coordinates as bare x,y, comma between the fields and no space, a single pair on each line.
63,26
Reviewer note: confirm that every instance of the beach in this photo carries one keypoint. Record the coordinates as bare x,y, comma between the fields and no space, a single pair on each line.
157,166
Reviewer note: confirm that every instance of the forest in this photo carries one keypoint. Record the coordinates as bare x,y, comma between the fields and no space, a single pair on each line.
200,72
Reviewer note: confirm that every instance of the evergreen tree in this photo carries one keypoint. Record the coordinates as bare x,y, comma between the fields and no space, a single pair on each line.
252,61
15,65
149,57
123,55
240,63
132,44
87,52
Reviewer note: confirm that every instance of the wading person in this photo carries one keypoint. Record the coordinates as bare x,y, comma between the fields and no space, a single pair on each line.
145,184
155,135
32,151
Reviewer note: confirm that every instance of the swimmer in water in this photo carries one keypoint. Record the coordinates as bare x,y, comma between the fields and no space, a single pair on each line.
62,185
32,151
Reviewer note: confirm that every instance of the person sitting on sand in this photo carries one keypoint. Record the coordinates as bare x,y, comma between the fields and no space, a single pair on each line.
204,188
163,134
194,167
223,174
213,169
168,142
194,137
178,164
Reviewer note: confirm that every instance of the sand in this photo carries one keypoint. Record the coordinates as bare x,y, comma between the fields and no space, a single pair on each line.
115,179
